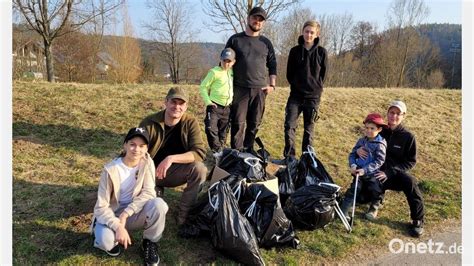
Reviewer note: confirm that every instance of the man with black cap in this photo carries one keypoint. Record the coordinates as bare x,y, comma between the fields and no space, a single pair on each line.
400,157
177,149
254,77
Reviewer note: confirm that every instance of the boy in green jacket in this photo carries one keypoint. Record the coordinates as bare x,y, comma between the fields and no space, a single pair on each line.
217,91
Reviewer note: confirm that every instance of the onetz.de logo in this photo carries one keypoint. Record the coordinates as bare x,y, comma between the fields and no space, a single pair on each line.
398,246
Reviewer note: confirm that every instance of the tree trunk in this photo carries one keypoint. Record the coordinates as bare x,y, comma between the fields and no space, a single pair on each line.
49,61
402,70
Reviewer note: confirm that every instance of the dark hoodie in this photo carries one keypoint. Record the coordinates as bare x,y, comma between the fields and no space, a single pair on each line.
306,70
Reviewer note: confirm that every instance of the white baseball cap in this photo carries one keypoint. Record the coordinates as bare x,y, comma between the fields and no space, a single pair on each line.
400,105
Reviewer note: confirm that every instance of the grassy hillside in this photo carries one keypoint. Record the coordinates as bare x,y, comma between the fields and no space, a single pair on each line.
64,133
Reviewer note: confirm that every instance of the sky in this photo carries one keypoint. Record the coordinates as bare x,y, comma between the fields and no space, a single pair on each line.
441,11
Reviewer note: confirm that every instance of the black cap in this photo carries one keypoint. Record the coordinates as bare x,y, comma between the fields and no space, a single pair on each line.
258,11
137,132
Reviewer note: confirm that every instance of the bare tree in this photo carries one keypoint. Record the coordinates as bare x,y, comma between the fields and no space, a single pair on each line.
172,27
335,30
125,51
48,18
362,36
402,15
73,60
231,15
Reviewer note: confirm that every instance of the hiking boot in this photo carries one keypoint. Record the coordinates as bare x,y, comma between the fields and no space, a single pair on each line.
160,191
371,214
115,251
416,228
150,252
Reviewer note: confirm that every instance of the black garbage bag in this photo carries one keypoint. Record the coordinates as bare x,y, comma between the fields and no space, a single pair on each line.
243,164
312,206
263,210
231,232
202,213
280,231
310,170
286,176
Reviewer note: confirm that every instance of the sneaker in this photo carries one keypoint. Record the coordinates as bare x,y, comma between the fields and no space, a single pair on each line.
160,191
416,228
371,214
150,252
115,251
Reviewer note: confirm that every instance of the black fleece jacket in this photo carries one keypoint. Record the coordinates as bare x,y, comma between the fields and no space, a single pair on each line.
401,150
306,70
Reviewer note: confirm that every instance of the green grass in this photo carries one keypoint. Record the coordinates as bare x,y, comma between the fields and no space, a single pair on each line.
64,133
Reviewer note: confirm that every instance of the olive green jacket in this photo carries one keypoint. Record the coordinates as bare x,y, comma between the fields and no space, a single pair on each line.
190,134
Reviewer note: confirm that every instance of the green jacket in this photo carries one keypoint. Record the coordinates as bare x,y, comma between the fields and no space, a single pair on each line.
217,86
190,134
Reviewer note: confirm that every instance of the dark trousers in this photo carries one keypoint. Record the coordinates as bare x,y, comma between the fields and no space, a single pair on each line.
402,181
191,174
217,121
246,113
294,107
372,187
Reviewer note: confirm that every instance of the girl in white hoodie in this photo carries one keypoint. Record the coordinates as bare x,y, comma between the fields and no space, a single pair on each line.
126,200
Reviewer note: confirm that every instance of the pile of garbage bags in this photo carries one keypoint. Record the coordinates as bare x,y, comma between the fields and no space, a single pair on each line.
250,208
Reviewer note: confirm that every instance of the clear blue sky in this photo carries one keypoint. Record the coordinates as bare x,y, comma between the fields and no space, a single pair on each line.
441,11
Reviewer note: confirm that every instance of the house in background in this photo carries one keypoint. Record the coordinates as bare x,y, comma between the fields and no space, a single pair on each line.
29,59
105,64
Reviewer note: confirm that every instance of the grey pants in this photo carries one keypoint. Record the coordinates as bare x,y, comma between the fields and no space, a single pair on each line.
191,174
151,218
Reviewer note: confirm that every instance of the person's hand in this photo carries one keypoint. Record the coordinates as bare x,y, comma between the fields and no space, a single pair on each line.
360,172
163,167
268,89
381,176
122,236
362,153
353,169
